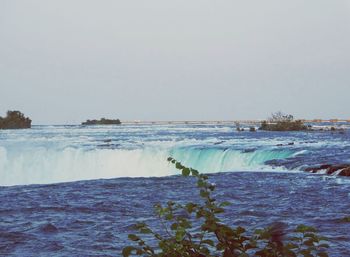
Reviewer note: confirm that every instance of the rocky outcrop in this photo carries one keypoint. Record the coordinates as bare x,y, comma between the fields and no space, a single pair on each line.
283,122
345,172
331,169
296,125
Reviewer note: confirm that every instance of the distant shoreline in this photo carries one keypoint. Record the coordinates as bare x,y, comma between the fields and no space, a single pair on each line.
198,122
224,122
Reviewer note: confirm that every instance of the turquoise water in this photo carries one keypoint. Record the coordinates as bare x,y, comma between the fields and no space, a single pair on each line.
51,154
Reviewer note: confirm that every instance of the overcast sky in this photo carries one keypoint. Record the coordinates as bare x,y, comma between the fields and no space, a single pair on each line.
65,61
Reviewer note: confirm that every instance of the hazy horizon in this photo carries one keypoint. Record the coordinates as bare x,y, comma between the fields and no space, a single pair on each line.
62,62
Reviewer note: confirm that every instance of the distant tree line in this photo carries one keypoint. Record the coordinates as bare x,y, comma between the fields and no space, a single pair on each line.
102,121
15,120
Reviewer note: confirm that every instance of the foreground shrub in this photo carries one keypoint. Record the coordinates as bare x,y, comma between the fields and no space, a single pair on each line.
213,238
15,120
282,122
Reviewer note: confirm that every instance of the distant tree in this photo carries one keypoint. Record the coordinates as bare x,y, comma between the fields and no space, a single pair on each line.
15,120
280,117
282,122
102,121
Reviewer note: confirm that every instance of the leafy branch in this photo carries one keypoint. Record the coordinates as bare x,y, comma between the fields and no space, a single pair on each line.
182,237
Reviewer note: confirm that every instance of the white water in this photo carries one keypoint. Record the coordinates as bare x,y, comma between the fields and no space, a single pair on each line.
43,165
50,154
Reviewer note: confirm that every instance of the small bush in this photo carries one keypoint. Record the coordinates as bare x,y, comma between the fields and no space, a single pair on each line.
214,238
283,122
15,120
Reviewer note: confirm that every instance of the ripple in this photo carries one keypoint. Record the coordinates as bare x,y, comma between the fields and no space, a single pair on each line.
86,217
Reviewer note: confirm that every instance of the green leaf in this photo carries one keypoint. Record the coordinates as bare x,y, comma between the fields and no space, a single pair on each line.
324,245
169,216
204,193
208,242
140,225
240,230
323,254
303,229
190,207
179,166
201,183
145,231
258,231
127,250
205,177
133,237
306,253
224,204
162,244
174,226
194,172
291,246
220,246
186,172
219,210
180,233
311,235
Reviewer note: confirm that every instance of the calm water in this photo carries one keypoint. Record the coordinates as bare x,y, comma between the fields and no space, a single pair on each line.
263,179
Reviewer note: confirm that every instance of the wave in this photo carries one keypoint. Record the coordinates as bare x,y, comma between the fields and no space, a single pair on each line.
218,160
42,165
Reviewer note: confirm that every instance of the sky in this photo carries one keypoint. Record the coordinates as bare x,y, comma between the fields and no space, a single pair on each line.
65,61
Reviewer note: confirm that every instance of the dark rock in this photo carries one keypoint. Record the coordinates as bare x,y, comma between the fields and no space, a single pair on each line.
335,168
292,143
249,150
345,172
325,166
331,169
49,228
